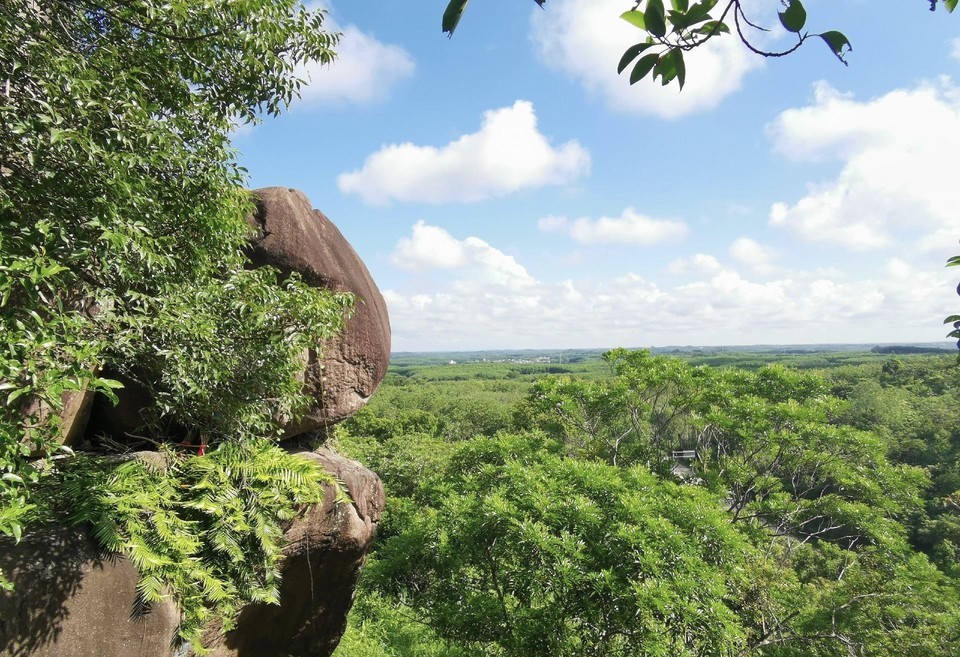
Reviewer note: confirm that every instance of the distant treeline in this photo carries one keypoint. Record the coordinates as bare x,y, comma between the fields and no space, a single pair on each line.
907,349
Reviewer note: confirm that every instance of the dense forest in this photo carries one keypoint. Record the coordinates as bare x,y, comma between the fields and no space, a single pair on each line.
639,504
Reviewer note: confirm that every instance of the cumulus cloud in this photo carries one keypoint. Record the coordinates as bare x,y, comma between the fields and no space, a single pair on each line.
587,39
364,71
630,227
506,155
432,247
896,152
473,309
750,252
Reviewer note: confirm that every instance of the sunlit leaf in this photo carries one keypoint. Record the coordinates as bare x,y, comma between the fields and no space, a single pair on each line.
635,18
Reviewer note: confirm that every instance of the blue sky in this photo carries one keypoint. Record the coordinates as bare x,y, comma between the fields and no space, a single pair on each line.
507,189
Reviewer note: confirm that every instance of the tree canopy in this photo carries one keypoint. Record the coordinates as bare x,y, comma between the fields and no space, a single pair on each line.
124,223
645,506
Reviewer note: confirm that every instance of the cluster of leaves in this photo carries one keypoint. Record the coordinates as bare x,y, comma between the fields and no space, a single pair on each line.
124,219
525,552
204,530
804,525
685,26
911,404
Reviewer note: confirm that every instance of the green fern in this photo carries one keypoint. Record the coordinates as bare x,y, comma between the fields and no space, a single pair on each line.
204,530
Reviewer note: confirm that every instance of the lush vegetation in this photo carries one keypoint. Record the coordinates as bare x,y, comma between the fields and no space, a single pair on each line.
536,513
122,258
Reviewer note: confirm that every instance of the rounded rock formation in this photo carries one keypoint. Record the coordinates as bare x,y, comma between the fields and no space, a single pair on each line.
70,600
295,237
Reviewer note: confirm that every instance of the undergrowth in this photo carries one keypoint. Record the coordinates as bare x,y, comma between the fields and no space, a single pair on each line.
206,530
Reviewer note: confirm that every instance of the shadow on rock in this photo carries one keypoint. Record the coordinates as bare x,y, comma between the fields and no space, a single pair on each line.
71,601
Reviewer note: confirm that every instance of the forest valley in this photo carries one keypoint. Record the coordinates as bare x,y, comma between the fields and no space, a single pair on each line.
645,505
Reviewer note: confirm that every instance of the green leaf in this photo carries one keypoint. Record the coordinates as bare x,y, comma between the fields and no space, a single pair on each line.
635,18
681,67
794,17
670,68
713,26
951,319
452,15
700,12
643,67
837,41
631,54
680,5
950,5
655,18
16,394
954,261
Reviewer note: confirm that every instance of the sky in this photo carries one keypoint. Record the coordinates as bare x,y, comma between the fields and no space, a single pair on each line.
507,189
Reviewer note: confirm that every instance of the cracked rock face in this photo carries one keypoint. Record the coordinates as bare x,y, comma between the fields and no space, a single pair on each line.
295,237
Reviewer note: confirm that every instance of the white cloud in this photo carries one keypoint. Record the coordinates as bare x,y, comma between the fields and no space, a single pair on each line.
428,248
364,71
753,254
629,228
897,178
506,155
473,309
432,247
587,39
699,263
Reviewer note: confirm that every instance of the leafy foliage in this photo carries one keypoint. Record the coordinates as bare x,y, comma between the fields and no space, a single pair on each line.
685,26
204,530
124,218
818,516
523,552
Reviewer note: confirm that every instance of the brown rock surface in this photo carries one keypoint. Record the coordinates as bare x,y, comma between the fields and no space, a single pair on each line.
73,415
69,601
326,549
295,237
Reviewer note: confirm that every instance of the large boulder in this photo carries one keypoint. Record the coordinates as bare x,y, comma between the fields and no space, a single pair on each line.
325,550
71,601
295,237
